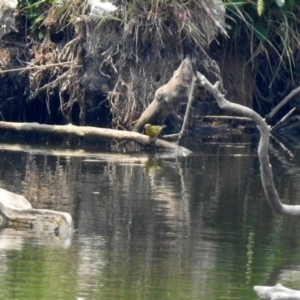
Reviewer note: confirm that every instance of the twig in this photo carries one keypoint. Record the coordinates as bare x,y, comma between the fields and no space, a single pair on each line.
52,82
66,48
283,102
65,64
284,118
227,118
170,136
188,108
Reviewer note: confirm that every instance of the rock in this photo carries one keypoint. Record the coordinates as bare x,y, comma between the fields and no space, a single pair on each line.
101,8
276,292
7,18
16,211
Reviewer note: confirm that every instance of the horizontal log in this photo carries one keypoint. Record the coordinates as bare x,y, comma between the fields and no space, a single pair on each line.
89,131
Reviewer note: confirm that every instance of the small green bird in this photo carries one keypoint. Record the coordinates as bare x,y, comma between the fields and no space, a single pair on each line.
153,130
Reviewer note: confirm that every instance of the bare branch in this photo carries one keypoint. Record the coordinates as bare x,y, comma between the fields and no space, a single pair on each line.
283,102
168,96
64,64
188,108
226,118
265,167
284,118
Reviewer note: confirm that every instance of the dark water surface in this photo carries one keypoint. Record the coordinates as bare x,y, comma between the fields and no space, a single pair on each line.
151,226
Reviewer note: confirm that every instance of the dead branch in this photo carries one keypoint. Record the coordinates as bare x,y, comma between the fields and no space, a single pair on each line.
283,147
265,167
168,96
283,102
226,118
188,108
284,118
88,131
64,64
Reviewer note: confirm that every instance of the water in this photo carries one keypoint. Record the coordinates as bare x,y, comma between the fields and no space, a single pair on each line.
151,226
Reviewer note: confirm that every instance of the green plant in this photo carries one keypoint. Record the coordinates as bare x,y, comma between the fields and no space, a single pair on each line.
269,28
35,11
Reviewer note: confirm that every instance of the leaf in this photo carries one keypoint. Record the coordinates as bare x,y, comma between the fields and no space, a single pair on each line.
41,35
260,31
260,7
280,3
289,6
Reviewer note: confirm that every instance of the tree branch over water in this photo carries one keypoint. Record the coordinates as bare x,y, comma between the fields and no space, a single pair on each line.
89,131
265,166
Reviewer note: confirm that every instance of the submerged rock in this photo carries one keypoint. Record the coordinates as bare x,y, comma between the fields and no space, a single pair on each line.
16,211
277,291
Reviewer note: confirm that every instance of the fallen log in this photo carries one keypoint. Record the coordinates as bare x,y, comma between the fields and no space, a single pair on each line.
89,131
16,211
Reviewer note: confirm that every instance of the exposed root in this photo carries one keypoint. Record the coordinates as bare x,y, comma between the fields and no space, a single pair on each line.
120,60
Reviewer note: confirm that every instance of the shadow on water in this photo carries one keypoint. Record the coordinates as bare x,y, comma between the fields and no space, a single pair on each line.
150,226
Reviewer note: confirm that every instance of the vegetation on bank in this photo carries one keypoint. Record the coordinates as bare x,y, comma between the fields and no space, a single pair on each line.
266,33
104,71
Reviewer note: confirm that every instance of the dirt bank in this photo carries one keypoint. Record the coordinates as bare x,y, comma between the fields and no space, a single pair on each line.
82,67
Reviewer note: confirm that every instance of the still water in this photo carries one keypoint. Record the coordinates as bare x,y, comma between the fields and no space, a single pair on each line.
151,226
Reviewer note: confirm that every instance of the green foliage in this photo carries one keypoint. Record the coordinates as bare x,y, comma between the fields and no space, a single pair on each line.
35,12
260,7
280,3
166,18
268,28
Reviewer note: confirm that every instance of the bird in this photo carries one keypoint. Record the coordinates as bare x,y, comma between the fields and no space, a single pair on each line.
153,131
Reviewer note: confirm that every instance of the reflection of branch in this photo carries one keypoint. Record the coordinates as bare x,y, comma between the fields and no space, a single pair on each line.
283,147
265,167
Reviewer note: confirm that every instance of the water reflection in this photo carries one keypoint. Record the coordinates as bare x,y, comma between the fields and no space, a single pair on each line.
149,226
